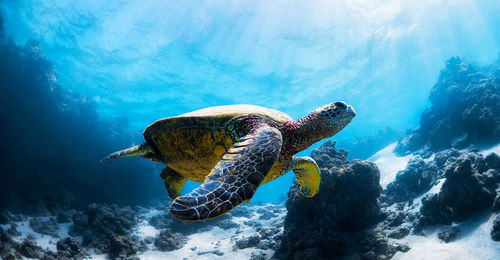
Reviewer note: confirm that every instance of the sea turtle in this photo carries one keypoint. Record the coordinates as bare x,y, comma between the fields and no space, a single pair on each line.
232,150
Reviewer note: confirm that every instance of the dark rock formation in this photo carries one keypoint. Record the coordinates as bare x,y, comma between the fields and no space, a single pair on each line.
161,221
13,230
5,217
45,122
70,249
335,221
415,179
64,217
433,212
496,204
399,232
47,227
168,241
258,256
470,184
495,229
247,242
465,110
28,248
266,232
418,177
7,246
216,252
449,234
103,221
121,246
106,228
462,194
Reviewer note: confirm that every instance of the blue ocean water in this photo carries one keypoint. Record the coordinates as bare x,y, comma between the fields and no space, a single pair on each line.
146,60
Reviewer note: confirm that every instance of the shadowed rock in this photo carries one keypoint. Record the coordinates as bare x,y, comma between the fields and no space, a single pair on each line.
465,110
449,234
495,229
47,227
334,223
168,241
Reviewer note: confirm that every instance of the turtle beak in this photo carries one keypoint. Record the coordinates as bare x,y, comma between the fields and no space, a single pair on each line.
348,113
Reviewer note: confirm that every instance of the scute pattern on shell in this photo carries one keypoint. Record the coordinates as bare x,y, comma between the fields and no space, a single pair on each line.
234,179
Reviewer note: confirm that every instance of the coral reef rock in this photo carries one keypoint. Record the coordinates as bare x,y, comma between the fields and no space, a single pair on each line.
104,227
335,222
168,241
465,110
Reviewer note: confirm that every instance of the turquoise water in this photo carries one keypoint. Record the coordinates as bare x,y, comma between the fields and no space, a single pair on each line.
145,60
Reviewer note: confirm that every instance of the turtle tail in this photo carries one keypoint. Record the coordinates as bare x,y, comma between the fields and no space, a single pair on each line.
132,151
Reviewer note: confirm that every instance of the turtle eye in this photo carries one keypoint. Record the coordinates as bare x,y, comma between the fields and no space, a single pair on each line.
341,105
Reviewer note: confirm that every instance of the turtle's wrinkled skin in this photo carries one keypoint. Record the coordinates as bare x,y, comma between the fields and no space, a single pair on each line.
232,150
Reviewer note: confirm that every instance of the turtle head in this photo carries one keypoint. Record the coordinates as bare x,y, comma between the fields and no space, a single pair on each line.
333,117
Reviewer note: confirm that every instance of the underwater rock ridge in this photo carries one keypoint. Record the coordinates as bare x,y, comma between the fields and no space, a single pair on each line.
462,185
56,138
465,110
336,222
442,188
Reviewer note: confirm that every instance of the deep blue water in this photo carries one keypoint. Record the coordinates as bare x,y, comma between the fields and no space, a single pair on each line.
146,60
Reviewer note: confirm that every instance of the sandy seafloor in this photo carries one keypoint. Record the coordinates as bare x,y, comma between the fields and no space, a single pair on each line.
473,241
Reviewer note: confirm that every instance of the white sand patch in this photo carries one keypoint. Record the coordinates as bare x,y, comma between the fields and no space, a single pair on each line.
389,164
494,149
473,242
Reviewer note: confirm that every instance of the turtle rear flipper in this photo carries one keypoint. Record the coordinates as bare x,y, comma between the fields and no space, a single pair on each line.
142,149
234,179
174,182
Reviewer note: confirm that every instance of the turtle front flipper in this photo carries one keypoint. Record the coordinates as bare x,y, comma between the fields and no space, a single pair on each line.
174,182
308,175
234,179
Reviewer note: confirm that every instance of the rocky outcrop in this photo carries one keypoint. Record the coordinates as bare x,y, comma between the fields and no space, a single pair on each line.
416,178
449,234
495,229
467,184
463,193
168,241
48,227
247,242
70,249
122,246
106,228
335,221
7,246
46,122
465,110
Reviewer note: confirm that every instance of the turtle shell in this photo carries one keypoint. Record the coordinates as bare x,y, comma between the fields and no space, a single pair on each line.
192,143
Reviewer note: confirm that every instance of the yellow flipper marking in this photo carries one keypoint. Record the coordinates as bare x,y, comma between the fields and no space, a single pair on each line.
308,175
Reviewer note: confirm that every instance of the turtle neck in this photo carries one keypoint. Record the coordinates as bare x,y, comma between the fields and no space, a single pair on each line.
302,133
